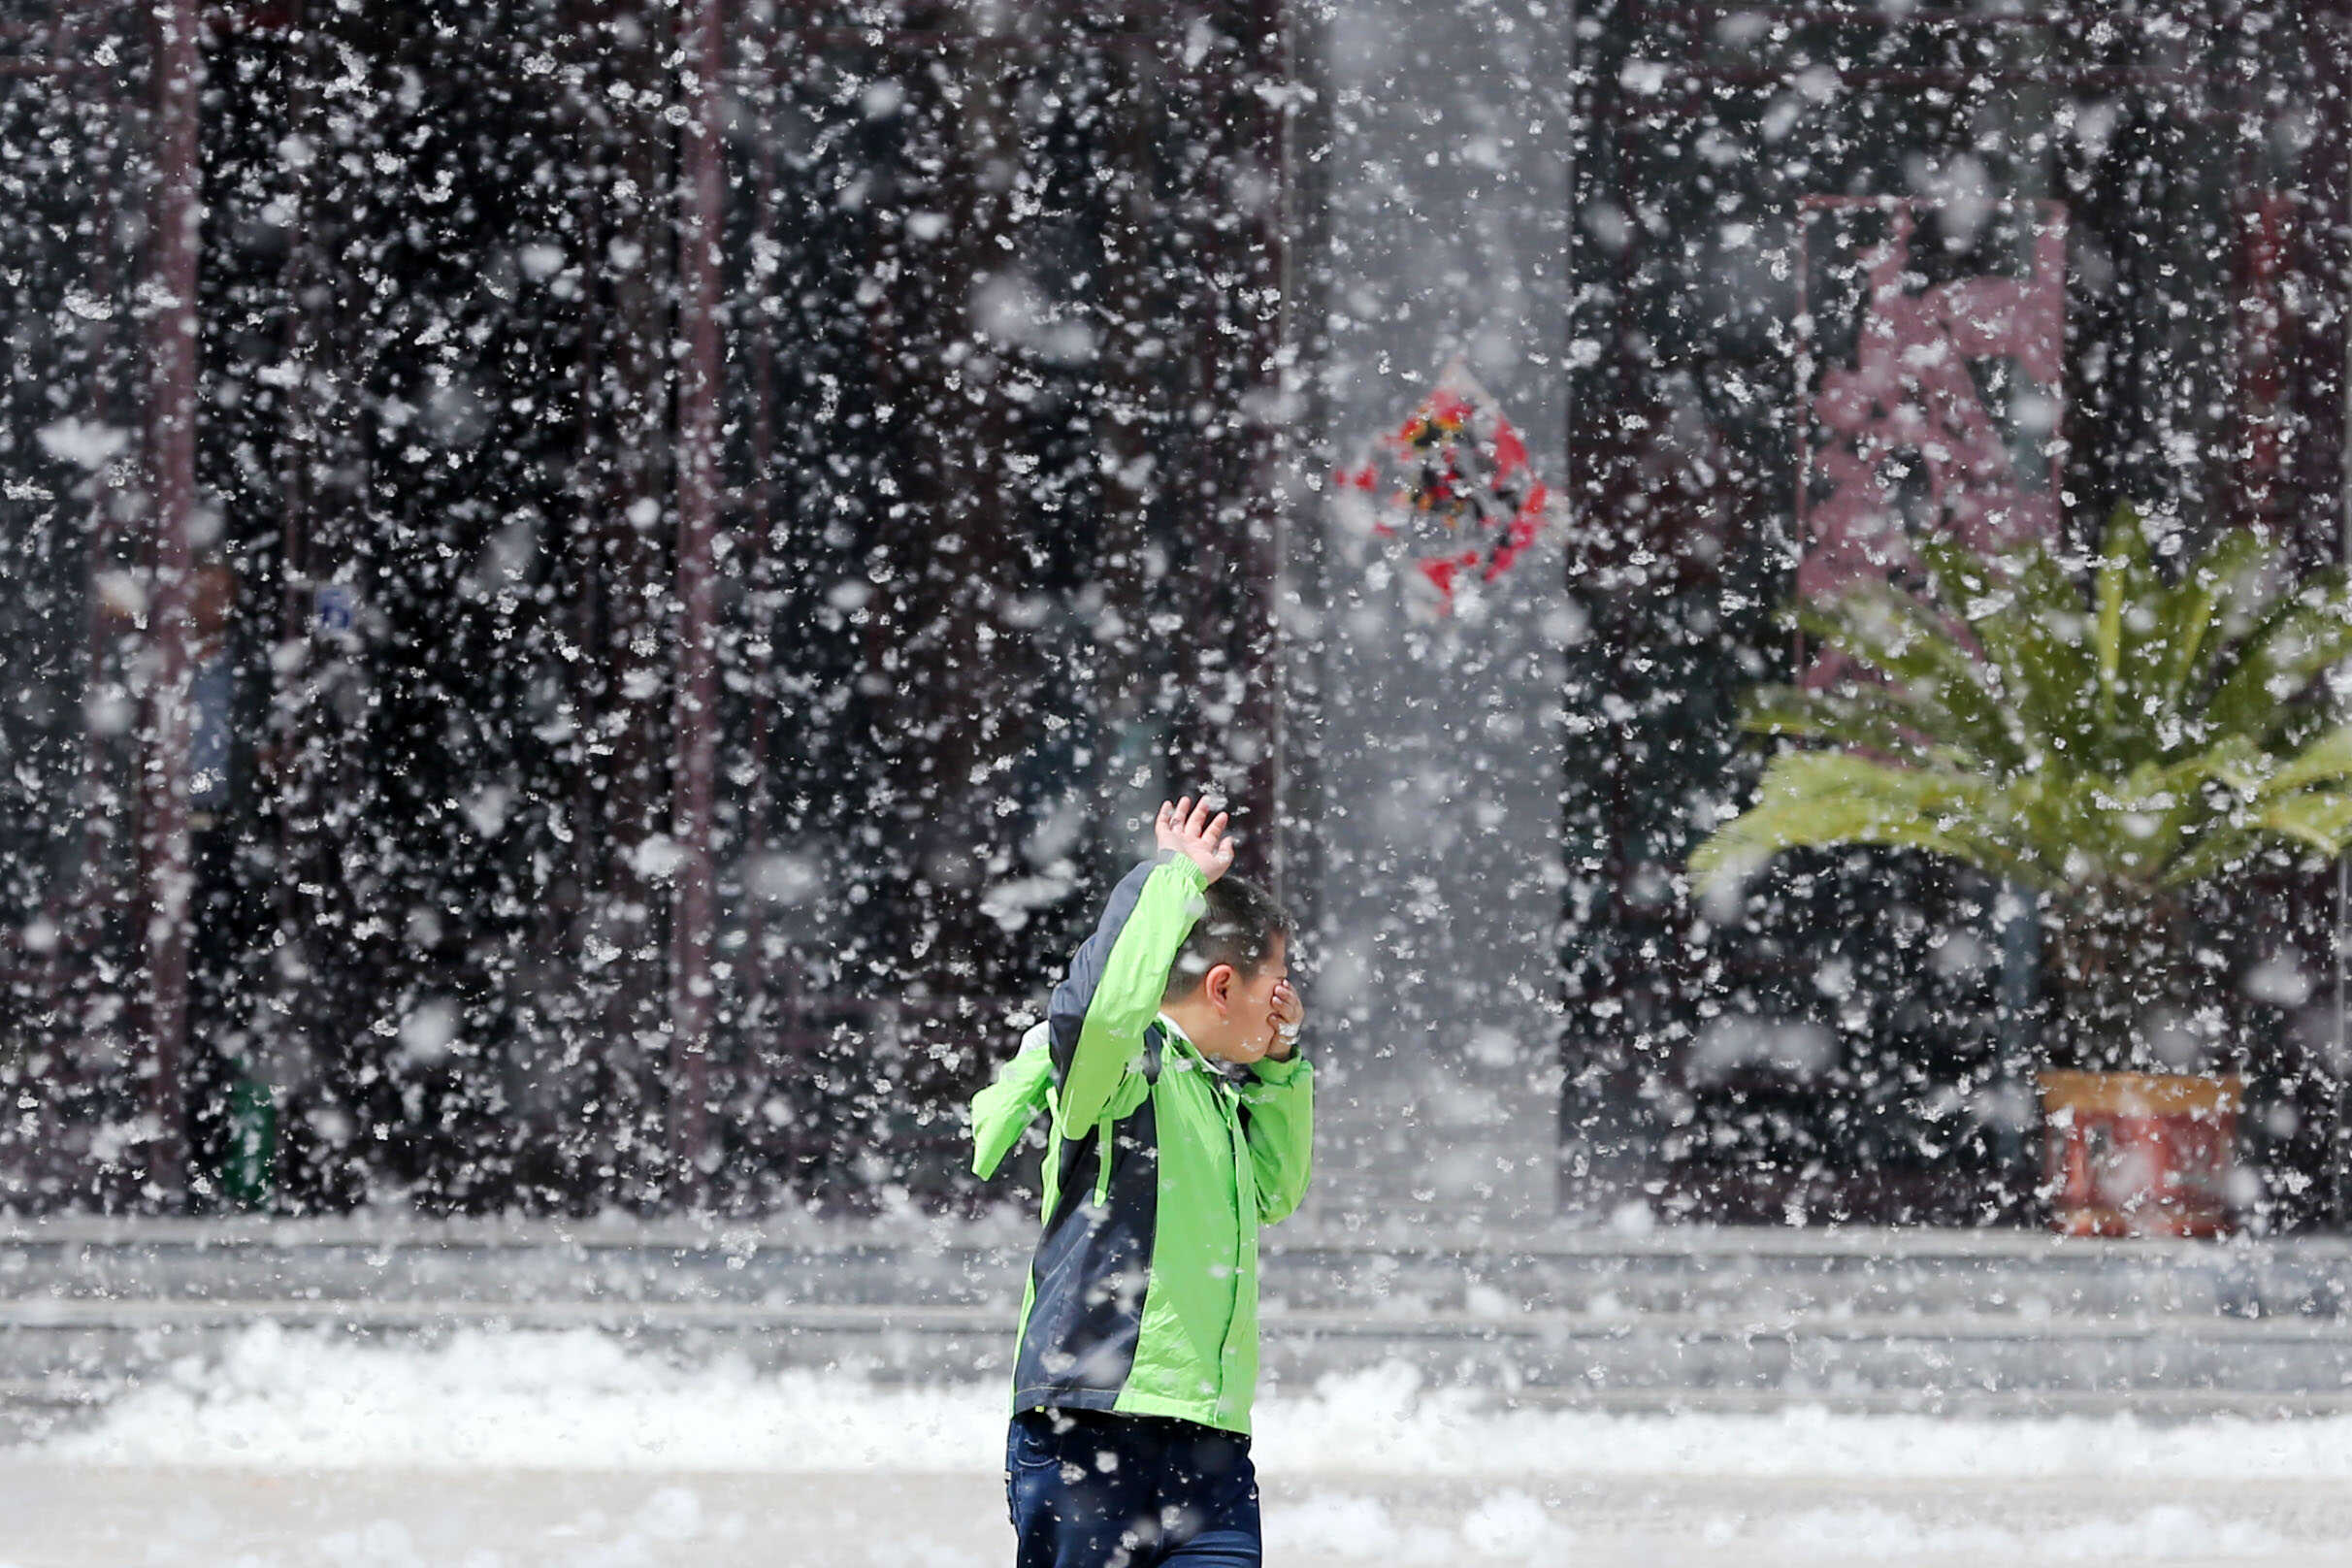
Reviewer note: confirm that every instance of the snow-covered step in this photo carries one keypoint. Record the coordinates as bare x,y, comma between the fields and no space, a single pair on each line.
1703,1319
2039,1278
1913,1361
1754,1273
164,1263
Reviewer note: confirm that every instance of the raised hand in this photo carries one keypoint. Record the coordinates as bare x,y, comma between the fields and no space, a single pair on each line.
1289,1012
1187,828
1286,1014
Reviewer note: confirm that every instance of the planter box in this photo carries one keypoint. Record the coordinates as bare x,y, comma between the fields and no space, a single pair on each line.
2137,1154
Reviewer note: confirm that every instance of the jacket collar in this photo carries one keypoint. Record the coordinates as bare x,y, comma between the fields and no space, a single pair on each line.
1191,1059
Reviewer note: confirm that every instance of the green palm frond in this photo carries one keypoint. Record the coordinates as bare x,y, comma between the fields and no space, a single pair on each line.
2305,634
2129,731
1823,799
2189,615
2125,577
1858,718
2326,760
1883,629
2320,820
2042,641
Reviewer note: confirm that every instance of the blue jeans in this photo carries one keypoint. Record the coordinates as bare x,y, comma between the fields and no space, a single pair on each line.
1094,1490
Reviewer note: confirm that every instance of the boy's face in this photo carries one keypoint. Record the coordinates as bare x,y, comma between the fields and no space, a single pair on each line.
1245,1006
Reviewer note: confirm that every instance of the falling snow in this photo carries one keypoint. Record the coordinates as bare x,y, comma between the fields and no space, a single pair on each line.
597,595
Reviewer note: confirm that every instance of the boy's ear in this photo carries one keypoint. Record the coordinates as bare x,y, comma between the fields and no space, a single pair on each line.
1219,983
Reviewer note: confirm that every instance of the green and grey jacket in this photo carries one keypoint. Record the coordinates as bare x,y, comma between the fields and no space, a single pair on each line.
1143,1295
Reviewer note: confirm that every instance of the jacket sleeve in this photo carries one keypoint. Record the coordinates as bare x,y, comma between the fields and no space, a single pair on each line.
1004,1110
1280,1107
1115,983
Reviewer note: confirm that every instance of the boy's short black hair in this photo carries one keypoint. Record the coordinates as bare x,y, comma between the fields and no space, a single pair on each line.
1239,929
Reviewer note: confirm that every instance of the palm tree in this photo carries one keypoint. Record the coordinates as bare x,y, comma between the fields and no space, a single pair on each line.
2106,752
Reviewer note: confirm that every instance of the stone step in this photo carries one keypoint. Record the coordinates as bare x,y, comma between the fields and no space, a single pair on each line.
2032,1287
1757,1273
1995,1322
1574,1356
2139,1404
28,1316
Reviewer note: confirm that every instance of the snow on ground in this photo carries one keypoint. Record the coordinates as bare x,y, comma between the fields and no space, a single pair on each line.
586,1401
502,1450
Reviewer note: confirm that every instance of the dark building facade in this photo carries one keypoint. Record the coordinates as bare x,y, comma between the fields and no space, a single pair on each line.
600,585
2142,210
542,530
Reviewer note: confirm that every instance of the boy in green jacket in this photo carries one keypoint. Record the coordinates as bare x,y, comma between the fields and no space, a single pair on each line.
1182,1119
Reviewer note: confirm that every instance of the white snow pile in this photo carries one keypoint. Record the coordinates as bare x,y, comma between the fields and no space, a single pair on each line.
528,1401
570,1402
1386,1420
1508,1526
2155,1535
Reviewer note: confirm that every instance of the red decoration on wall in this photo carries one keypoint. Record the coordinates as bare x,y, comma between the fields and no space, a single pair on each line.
1452,486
